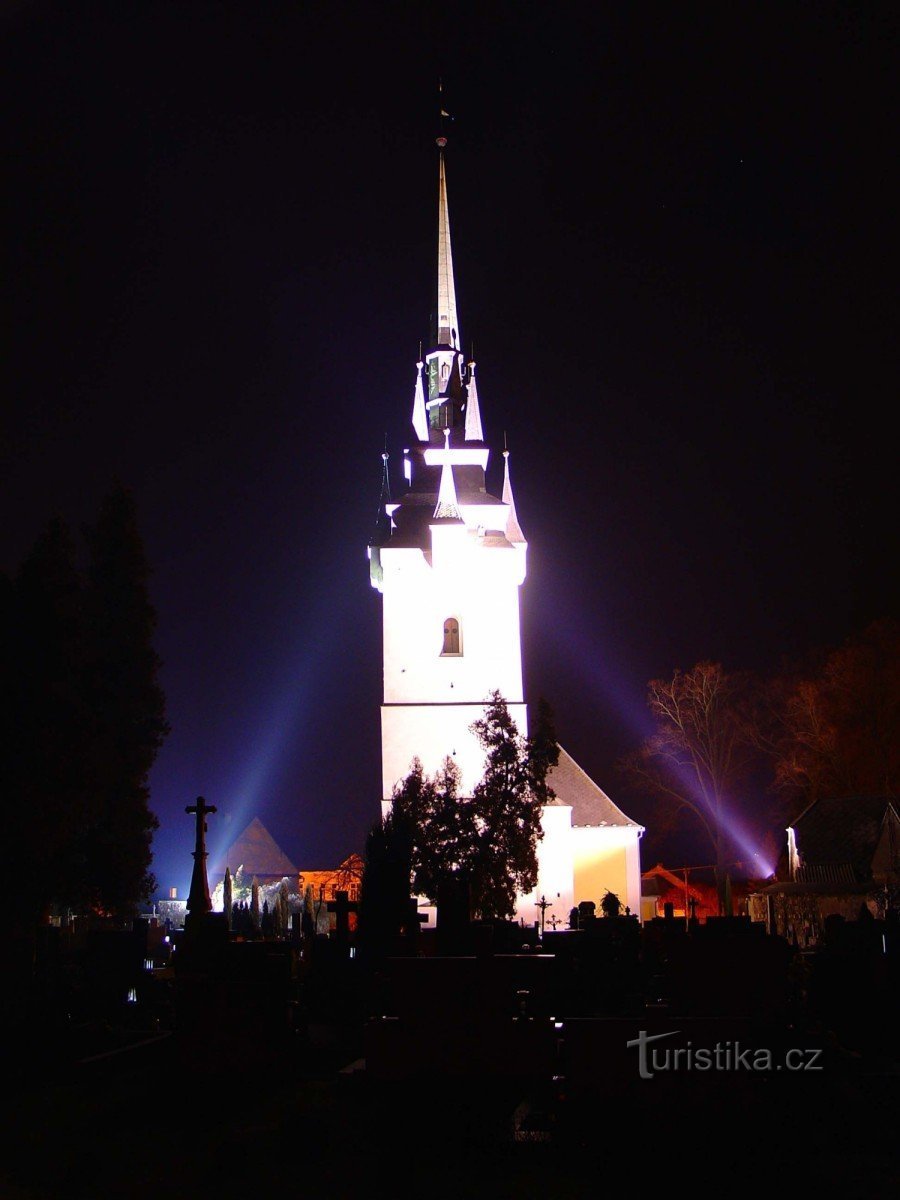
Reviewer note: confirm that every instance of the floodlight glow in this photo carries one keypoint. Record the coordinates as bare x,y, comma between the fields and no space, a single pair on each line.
278,722
594,670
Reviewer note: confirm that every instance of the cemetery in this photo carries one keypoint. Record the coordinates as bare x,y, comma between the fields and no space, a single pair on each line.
514,1041
458,979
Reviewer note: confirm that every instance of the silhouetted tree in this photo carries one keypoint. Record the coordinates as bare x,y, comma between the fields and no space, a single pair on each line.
837,726
84,718
46,768
702,756
127,703
506,806
490,838
441,826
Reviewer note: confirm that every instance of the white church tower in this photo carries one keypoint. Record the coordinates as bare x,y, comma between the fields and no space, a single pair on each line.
449,559
449,568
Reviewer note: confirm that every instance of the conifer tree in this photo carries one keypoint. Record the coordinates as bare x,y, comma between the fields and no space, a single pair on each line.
489,839
84,717
127,703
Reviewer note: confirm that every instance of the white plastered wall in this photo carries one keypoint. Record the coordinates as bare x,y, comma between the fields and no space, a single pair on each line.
482,594
431,732
608,857
431,699
555,875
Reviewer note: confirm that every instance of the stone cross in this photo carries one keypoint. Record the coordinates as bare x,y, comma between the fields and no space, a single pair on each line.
342,907
199,903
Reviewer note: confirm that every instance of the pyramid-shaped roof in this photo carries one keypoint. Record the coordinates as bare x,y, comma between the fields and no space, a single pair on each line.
258,853
589,803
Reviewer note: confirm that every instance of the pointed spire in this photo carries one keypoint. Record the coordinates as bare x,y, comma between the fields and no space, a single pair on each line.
385,476
382,530
513,528
448,322
447,507
473,412
419,416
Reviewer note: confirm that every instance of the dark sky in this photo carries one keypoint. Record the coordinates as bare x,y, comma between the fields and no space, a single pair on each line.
672,230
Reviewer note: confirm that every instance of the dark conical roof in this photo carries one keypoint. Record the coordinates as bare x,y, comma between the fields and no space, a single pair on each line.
258,853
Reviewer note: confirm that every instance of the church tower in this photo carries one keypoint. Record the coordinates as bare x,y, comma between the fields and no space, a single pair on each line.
449,559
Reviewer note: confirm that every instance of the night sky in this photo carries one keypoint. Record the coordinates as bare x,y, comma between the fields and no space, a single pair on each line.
672,232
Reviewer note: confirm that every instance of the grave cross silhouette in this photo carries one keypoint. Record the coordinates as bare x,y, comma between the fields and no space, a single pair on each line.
543,904
342,907
199,902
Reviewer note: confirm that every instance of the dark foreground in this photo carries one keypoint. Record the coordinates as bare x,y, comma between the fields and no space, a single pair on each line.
170,1119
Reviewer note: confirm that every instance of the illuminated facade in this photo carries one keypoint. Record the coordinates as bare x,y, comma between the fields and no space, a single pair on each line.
449,559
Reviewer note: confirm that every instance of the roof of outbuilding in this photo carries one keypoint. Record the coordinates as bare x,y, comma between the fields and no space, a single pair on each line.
258,853
838,830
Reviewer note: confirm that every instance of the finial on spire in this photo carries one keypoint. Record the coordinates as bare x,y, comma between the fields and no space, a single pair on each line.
441,140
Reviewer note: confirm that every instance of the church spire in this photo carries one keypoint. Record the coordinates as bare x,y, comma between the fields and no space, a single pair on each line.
473,412
513,528
382,529
448,321
419,415
447,507
446,398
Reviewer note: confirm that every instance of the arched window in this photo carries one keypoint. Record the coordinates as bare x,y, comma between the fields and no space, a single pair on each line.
451,637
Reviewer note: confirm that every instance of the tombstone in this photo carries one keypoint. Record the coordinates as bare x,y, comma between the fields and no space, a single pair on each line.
226,896
342,907
413,921
453,916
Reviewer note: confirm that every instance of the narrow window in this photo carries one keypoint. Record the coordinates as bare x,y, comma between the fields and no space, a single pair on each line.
451,636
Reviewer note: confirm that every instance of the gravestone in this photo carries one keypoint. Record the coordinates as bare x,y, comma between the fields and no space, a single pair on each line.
342,906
